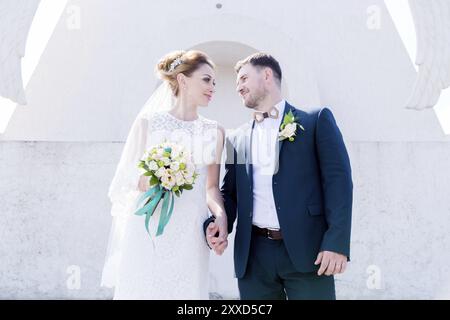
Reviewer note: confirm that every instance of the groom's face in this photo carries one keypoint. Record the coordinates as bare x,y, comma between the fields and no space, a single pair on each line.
250,85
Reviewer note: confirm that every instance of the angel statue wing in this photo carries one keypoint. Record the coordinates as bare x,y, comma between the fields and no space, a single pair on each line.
15,21
432,24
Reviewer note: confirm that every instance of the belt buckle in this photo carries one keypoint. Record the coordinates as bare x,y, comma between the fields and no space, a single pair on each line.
268,235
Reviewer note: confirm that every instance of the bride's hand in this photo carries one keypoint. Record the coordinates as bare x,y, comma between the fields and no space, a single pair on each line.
143,184
216,243
222,223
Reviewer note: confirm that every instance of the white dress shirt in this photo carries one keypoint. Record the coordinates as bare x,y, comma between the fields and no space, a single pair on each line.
264,143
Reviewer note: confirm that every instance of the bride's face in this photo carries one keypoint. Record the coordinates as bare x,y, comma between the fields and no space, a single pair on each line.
200,86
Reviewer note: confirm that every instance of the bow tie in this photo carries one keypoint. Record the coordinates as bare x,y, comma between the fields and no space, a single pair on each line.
260,116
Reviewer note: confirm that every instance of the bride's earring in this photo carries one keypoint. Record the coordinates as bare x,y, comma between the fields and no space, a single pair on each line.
184,85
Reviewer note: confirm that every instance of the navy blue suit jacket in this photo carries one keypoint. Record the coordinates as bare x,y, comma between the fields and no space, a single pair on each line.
312,188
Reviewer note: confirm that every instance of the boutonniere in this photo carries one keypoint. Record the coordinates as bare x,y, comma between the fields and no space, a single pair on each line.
288,128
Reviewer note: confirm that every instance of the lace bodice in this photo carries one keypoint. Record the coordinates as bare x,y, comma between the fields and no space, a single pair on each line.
199,136
166,121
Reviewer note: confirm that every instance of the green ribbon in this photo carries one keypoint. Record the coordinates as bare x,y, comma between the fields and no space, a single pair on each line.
165,212
154,196
148,194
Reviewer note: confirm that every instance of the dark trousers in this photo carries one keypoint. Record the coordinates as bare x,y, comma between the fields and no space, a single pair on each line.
271,275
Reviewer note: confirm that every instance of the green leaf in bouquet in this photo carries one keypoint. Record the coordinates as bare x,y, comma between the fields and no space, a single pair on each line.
182,166
188,187
154,180
148,174
175,188
160,163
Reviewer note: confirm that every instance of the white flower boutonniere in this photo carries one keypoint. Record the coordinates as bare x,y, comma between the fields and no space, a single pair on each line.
288,128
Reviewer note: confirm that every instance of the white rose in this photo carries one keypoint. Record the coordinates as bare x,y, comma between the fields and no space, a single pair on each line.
189,180
187,174
175,166
160,172
168,174
165,160
289,130
179,179
153,166
167,181
282,133
166,186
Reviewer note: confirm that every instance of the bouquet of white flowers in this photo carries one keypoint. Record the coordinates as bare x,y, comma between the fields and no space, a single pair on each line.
171,171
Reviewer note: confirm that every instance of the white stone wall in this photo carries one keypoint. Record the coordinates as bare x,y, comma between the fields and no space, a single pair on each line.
58,154
55,215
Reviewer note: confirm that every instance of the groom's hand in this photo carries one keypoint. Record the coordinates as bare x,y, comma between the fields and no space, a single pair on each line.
215,241
331,263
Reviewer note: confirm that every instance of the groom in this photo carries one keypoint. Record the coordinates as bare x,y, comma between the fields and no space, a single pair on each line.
288,182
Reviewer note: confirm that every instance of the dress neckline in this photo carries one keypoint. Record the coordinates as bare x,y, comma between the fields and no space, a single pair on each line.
183,121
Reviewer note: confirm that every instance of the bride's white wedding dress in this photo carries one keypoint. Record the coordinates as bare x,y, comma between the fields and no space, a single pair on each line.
174,265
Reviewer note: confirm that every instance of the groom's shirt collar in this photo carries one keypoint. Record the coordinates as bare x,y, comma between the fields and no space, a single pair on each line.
280,106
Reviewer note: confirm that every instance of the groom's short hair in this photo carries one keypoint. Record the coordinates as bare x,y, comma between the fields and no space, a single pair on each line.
261,59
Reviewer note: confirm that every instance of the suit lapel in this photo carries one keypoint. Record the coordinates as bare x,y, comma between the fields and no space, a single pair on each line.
287,108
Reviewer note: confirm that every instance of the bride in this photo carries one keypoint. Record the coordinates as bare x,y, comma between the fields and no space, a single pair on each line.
173,265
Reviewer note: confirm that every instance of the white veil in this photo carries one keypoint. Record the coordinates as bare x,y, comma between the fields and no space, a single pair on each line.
123,190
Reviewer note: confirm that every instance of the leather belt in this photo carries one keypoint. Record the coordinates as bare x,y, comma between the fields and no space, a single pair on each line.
268,233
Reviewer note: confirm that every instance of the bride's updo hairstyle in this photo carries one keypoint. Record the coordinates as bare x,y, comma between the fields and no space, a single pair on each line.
185,62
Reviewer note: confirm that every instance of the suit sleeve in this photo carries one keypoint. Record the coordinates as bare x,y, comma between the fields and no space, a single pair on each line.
337,184
228,188
205,226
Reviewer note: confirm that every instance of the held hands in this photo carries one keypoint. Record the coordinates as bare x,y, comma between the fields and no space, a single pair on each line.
216,235
331,263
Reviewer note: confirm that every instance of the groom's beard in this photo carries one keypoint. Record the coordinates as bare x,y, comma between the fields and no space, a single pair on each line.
253,102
